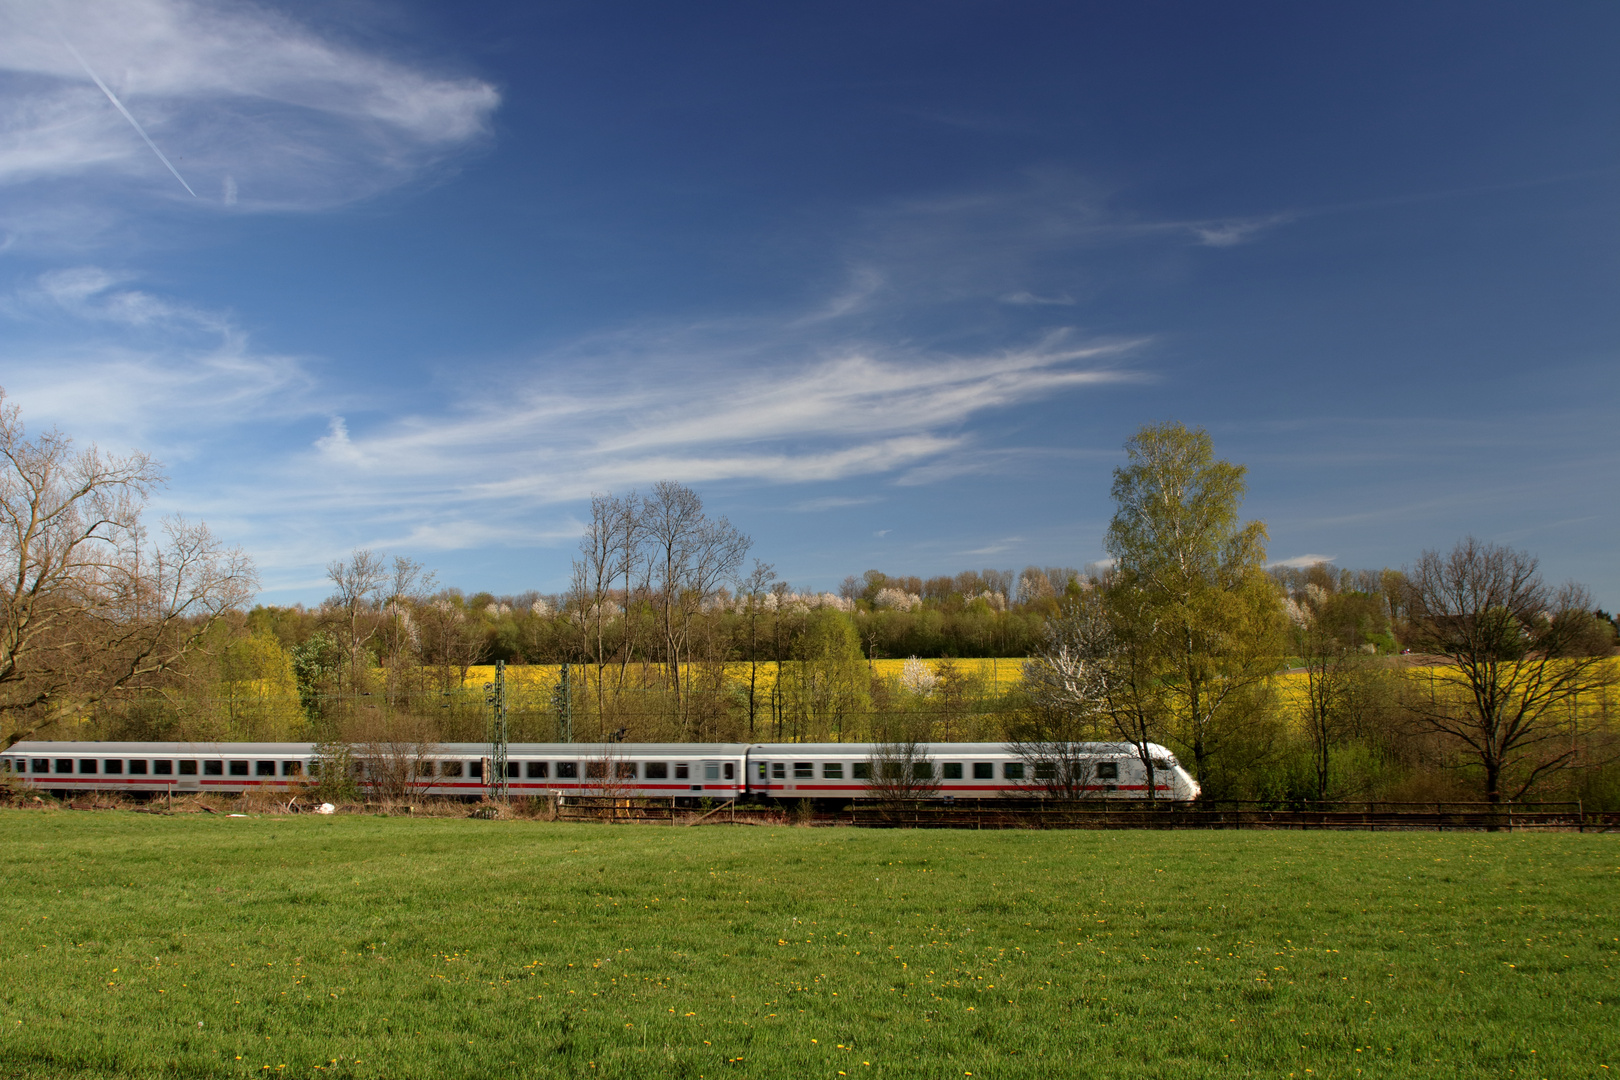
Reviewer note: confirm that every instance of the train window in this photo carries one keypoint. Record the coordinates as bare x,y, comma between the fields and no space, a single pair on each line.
984,770
210,768
296,768
626,770
475,770
115,766
87,765
595,770
163,768
861,770
450,768
539,770
658,770
239,768
731,770
1108,770
424,769
778,771
803,770
512,770
189,768
42,764
567,770
832,770
137,766
1161,765
64,764
1013,770
683,771
762,770
951,770
264,768
711,770
922,770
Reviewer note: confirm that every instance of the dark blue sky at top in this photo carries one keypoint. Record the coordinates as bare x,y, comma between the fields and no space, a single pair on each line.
1371,249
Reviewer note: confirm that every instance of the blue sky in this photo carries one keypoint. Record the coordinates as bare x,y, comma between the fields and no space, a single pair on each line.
889,285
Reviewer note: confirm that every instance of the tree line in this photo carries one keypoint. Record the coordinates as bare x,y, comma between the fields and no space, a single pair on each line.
1461,673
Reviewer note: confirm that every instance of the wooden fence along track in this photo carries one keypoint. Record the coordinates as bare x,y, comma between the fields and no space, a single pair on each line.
1007,814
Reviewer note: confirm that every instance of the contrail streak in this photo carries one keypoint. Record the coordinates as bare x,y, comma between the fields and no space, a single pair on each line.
119,105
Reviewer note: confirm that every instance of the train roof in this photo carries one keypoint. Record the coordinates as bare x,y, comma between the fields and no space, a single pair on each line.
963,749
249,749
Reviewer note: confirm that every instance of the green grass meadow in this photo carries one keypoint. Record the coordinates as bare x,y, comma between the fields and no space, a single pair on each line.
138,945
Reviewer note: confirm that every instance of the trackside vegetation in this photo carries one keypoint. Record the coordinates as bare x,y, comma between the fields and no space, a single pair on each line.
136,945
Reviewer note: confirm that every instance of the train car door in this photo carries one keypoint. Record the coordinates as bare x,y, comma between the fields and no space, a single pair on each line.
711,774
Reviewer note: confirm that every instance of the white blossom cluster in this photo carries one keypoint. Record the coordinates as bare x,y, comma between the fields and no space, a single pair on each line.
898,599
918,677
800,603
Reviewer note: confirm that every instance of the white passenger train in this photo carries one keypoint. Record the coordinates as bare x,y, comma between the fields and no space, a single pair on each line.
767,771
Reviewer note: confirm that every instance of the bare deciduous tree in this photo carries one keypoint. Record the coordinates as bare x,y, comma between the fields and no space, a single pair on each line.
899,768
89,606
1520,657
359,583
754,588
451,641
398,756
691,555
405,592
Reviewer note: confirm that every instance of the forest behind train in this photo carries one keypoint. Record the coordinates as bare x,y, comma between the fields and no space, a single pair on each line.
1461,675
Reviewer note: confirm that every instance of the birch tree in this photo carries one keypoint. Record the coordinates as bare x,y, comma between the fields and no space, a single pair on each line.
1190,597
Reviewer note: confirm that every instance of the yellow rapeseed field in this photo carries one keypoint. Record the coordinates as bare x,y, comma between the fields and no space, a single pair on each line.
989,677
993,674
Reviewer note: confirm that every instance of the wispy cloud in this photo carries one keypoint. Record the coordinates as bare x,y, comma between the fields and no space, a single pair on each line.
266,113
1235,231
484,472
1024,298
996,547
101,357
1300,562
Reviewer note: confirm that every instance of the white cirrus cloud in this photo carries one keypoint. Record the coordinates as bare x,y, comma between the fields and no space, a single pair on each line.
853,414
136,368
258,111
1300,562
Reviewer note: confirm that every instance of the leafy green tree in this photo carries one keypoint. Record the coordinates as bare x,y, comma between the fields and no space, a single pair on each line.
830,684
1190,599
259,690
315,663
1344,686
